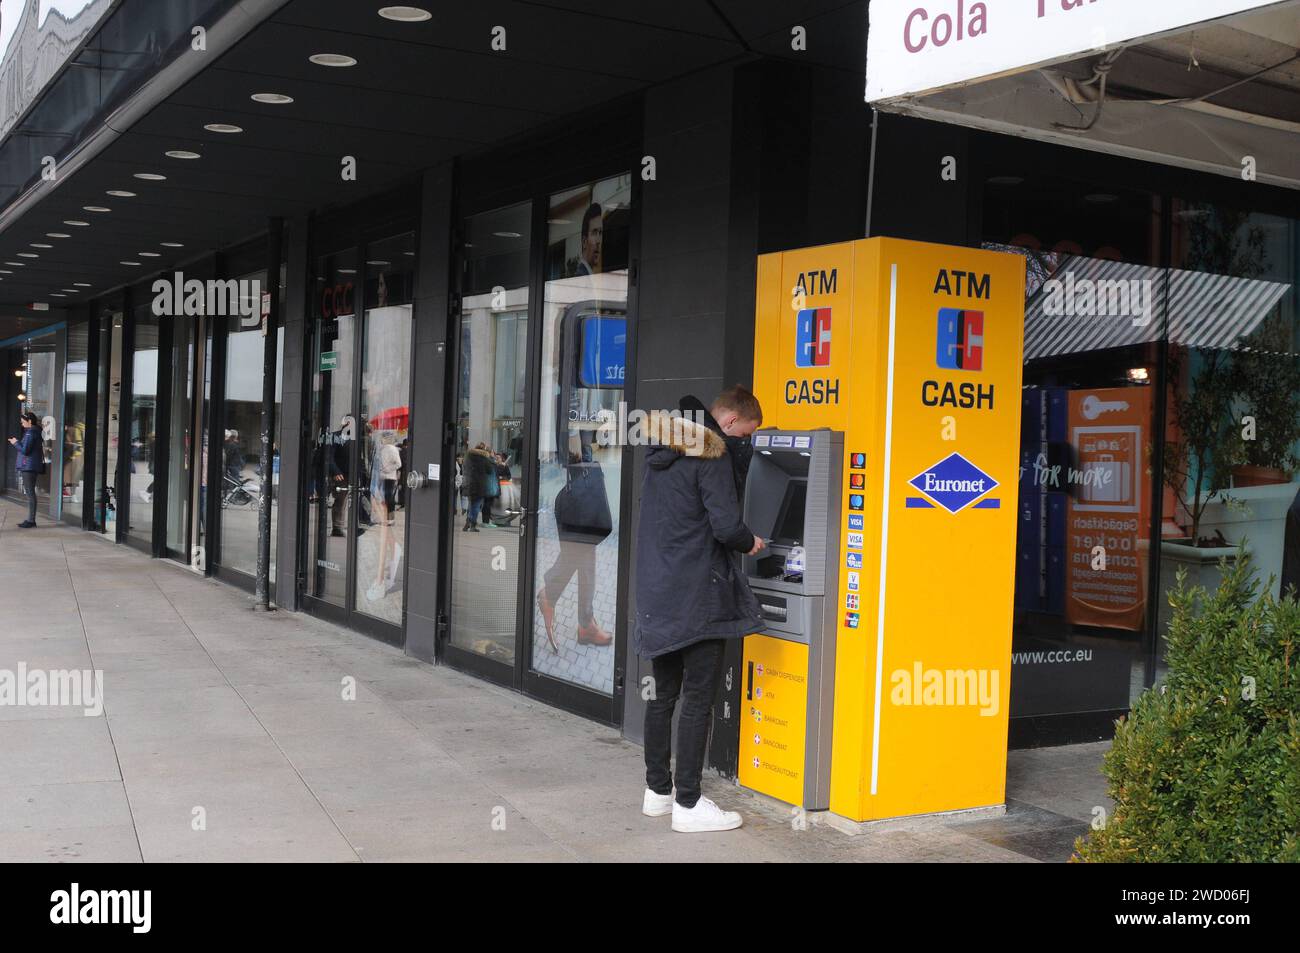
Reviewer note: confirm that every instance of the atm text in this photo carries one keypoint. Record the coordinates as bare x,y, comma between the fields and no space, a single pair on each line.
967,396
812,392
964,284
817,282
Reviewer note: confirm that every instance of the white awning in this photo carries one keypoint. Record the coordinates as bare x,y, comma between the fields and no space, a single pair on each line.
1193,309
1205,84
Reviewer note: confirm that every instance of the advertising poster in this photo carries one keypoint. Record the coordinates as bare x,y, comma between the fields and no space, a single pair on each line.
1107,539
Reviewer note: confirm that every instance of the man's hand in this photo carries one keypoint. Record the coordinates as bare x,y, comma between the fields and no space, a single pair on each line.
759,546
13,440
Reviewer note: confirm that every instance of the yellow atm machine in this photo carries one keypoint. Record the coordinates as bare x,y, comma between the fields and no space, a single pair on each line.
886,478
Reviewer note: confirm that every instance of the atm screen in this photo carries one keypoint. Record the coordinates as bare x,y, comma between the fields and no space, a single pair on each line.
789,520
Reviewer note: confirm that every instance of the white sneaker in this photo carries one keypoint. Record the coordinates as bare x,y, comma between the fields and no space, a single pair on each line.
705,816
656,805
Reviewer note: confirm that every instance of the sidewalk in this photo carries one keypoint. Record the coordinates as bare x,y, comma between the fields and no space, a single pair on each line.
215,713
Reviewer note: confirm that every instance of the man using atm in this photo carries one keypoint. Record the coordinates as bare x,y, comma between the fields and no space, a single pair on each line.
691,596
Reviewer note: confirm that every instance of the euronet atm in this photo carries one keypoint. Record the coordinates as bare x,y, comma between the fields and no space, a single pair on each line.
886,476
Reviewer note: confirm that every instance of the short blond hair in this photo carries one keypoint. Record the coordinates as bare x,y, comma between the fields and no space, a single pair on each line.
740,402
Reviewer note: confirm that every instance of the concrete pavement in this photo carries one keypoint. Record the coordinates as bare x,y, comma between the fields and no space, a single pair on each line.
225,736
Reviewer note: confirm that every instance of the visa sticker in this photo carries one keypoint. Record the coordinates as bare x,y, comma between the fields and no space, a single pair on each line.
855,540
856,521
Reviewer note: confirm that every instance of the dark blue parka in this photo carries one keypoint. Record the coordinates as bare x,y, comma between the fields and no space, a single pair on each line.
688,584
31,452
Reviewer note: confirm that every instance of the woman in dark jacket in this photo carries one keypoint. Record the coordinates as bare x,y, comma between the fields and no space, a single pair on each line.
31,462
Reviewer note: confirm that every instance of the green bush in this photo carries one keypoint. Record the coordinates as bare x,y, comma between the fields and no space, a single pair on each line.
1200,771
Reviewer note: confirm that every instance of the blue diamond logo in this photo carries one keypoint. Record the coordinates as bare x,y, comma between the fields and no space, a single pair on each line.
953,483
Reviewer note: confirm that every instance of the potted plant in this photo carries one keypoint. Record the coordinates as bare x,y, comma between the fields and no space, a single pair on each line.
1267,380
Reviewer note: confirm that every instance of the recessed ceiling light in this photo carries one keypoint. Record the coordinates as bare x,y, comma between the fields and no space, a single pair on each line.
16,264
76,224
81,284
72,291
347,271
181,154
133,264
28,254
149,254
405,14
95,208
120,194
507,235
57,235
5,272
379,263
223,127
171,244
41,245
274,99
332,59
55,294
151,176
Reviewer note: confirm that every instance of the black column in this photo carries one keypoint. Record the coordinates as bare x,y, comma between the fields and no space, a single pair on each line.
428,400
262,588
292,433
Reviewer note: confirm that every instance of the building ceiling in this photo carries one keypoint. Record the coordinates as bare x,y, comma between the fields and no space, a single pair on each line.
419,93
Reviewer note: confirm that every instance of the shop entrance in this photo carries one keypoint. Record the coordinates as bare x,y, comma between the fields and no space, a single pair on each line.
355,492
541,353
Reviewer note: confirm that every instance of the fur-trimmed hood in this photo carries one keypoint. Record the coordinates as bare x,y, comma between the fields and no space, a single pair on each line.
672,437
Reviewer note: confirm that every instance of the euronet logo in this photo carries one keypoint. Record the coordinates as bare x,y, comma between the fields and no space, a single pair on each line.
55,688
1104,298
74,905
952,687
179,296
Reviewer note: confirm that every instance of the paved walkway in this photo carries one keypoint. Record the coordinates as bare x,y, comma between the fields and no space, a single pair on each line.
225,737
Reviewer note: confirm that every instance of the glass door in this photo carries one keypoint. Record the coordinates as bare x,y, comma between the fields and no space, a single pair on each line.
361,426
579,388
109,412
492,427
541,364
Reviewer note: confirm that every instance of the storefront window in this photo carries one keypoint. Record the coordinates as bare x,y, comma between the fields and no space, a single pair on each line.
490,424
1232,453
386,423
1087,494
584,358
180,435
241,435
143,439
74,421
108,412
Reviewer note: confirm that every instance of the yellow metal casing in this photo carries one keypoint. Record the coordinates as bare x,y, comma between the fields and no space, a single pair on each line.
774,712
919,358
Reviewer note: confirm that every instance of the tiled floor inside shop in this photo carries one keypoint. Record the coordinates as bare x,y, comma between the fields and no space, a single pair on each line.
225,736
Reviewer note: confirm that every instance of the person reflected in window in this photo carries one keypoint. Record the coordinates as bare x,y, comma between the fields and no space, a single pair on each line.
582,521
592,250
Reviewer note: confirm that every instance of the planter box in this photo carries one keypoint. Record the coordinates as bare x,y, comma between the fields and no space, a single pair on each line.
1202,567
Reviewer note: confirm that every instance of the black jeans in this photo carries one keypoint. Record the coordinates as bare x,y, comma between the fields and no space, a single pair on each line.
29,487
691,673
